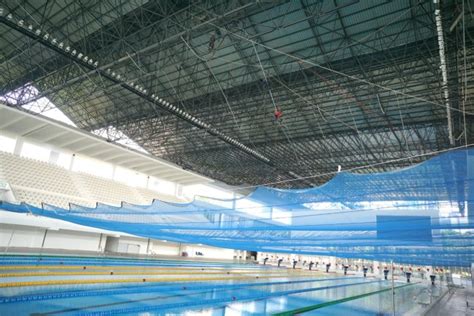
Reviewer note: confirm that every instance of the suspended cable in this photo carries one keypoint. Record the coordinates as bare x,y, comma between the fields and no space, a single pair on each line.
352,77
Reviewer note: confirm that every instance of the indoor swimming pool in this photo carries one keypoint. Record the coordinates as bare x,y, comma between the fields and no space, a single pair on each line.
114,286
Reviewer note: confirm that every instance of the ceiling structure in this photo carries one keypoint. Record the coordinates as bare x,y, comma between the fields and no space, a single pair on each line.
360,83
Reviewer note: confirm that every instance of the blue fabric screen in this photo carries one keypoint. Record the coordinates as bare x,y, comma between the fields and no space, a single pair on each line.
416,215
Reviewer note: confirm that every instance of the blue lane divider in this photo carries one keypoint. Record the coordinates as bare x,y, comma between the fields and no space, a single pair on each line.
152,288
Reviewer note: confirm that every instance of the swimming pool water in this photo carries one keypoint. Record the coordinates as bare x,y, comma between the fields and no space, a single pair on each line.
103,286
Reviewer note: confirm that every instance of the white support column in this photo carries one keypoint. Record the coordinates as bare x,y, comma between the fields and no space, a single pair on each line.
18,146
53,157
114,169
71,164
178,190
148,244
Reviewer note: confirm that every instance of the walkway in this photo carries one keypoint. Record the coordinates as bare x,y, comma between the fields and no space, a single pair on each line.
454,304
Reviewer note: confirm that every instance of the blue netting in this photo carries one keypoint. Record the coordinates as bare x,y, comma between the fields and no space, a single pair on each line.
418,215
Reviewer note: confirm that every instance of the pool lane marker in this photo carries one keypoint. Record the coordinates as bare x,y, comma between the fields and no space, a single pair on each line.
134,272
139,280
339,301
102,267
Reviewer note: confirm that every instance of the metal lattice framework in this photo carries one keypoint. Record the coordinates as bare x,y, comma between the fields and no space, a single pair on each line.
196,82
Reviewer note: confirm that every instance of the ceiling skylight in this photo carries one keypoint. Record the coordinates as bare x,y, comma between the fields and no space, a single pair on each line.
117,136
28,98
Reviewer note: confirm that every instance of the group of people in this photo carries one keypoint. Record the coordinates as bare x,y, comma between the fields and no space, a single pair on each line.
295,262
365,269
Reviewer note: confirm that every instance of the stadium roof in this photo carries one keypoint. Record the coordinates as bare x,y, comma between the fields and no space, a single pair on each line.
46,131
360,83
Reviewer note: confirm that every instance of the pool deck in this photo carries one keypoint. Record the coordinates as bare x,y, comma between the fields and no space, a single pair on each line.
454,304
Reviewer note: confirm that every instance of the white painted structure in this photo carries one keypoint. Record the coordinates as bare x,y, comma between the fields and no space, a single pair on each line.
41,176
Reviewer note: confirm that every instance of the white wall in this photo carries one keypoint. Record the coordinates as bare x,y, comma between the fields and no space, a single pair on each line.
71,239
128,245
27,231
208,252
14,236
18,236
164,248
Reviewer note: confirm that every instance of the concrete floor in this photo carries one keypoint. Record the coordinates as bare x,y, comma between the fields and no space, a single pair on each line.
454,304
